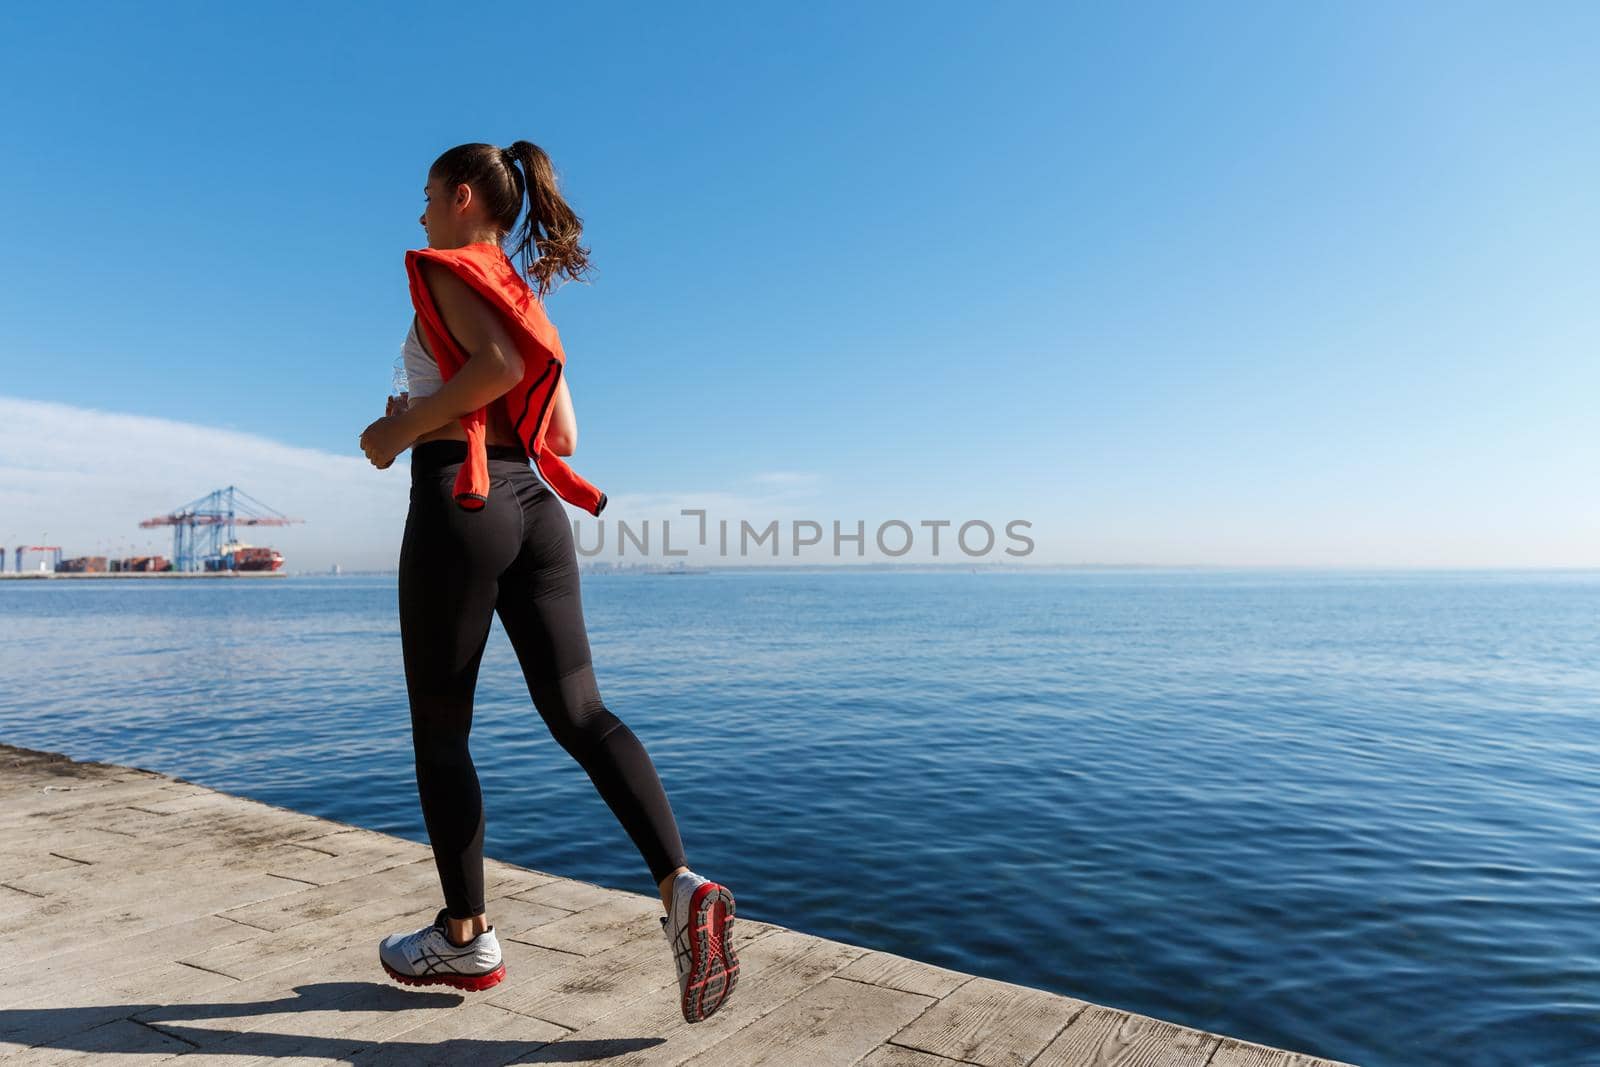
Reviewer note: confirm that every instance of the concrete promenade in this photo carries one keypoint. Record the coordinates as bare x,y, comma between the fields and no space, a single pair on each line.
144,918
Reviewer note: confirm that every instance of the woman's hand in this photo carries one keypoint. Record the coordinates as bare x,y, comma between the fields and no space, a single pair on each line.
397,405
389,436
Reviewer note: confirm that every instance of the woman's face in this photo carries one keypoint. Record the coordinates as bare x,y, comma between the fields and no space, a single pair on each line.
435,218
452,218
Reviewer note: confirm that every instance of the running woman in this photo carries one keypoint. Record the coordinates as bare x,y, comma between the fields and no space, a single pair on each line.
486,535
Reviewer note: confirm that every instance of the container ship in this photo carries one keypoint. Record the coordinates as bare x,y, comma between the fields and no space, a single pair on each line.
238,556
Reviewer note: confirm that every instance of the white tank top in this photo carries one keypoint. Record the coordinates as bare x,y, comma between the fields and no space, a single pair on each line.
422,373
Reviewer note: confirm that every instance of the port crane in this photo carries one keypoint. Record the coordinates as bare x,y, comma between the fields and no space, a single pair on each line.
199,527
54,550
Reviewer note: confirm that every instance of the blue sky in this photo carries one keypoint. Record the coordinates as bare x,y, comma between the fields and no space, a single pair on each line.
1278,284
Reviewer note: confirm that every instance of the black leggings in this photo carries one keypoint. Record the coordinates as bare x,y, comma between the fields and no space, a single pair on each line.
514,556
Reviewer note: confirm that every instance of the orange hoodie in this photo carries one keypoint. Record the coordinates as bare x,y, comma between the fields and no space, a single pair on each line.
490,272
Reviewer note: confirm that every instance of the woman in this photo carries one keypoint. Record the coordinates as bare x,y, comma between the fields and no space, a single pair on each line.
486,535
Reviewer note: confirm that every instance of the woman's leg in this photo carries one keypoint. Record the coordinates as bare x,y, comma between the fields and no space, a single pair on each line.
450,561
542,611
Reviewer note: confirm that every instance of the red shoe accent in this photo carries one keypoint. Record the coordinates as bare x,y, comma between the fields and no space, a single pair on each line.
714,965
470,982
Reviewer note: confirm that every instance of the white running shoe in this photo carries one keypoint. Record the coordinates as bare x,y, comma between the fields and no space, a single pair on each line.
699,927
426,957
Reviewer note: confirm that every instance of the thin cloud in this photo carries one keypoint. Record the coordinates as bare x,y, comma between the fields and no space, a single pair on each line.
88,491
83,479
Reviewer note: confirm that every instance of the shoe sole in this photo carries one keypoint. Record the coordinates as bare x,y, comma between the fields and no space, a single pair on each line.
714,967
470,982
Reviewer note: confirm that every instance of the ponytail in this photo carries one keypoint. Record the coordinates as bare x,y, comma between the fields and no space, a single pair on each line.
550,232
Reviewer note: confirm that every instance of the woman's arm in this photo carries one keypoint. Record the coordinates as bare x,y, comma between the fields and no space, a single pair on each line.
493,363
562,432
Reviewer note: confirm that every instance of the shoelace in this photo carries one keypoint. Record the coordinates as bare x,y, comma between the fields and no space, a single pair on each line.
414,941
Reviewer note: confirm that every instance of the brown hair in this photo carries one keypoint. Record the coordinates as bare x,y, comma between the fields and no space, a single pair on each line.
548,241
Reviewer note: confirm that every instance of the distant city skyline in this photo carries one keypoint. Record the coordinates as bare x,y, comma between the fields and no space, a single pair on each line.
1237,285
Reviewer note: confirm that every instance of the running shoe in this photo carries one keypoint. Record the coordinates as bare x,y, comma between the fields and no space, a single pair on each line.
699,927
426,957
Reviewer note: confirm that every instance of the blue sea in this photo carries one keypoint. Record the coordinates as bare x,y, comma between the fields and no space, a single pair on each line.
1351,814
